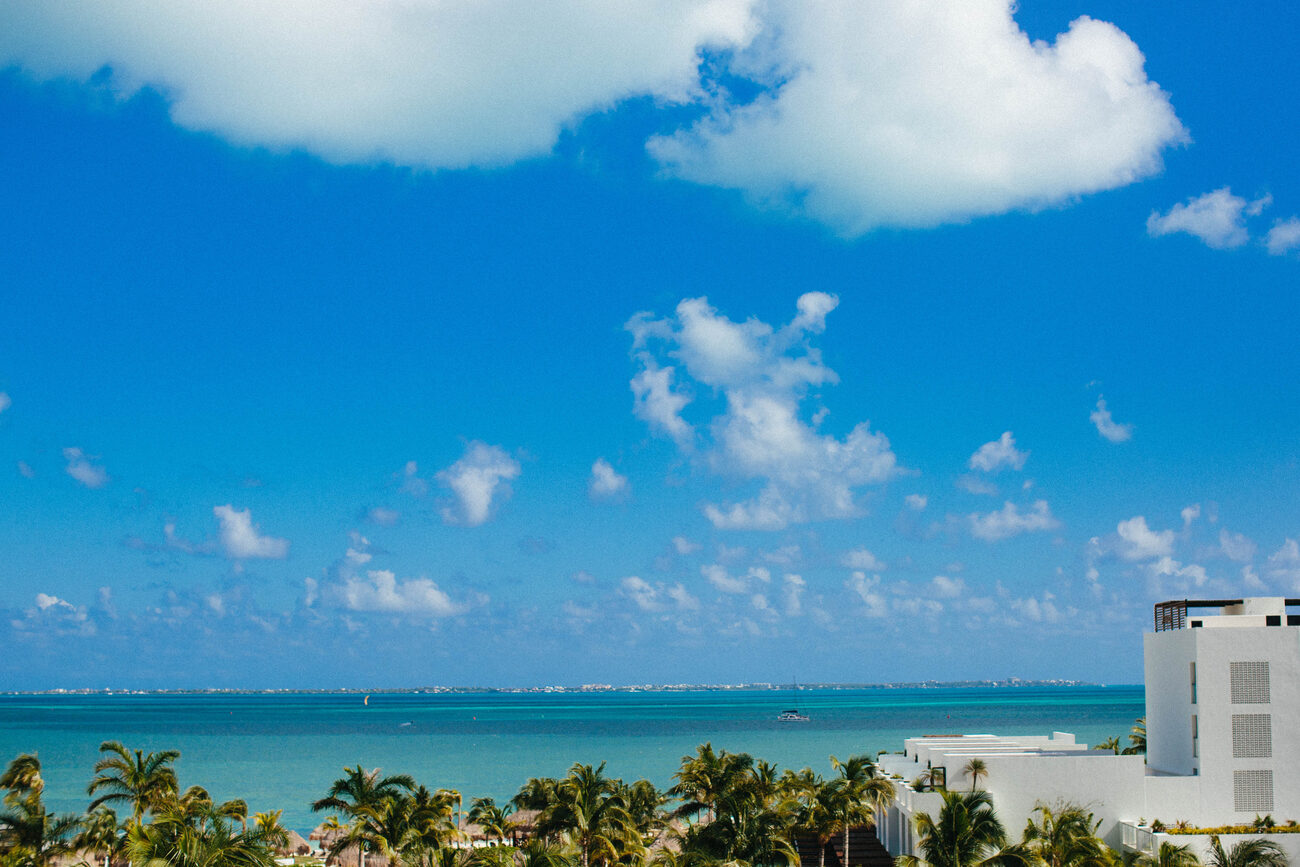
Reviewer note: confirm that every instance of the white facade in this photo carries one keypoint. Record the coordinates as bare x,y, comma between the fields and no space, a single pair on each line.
1223,739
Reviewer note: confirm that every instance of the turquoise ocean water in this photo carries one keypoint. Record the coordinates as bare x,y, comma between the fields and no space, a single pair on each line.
283,751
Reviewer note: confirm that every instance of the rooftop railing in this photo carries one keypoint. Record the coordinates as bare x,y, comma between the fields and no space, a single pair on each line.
1173,614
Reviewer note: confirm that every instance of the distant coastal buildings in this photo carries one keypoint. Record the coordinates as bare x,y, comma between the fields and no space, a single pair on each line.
1222,741
1003,683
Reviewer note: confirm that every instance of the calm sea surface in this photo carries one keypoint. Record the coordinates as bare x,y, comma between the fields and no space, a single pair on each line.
283,751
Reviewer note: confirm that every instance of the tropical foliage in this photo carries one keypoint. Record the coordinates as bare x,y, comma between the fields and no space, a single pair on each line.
966,833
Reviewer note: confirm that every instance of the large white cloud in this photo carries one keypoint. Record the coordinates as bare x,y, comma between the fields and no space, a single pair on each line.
921,113
763,433
869,113
241,539
433,83
481,476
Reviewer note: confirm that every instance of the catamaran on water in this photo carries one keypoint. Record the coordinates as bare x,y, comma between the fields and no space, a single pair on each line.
793,715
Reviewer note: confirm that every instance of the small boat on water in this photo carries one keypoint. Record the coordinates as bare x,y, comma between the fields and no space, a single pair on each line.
793,715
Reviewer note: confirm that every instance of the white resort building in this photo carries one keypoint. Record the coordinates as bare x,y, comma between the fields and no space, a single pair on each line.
1223,741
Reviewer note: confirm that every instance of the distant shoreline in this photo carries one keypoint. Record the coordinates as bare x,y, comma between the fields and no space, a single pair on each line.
1008,683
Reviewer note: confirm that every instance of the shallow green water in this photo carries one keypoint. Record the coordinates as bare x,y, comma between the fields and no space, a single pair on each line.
282,751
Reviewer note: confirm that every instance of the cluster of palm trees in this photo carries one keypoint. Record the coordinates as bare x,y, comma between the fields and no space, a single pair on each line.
1137,740
165,825
727,809
967,833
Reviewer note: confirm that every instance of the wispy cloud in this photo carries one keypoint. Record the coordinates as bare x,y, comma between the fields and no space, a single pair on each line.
1218,218
1107,426
84,468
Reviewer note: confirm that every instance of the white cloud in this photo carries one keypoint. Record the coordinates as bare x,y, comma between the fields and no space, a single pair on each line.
1236,546
651,597
411,482
1140,542
720,578
794,587
1188,578
44,601
383,516
920,114
973,484
684,546
1284,563
763,434
1190,514
1283,237
381,591
1038,612
1010,521
868,590
1107,426
5,402
861,558
605,480
421,83
1217,218
240,537
25,470
947,588
657,403
481,475
915,502
83,468
996,455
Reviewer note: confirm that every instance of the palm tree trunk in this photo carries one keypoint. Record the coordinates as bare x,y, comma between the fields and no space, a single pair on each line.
846,846
821,855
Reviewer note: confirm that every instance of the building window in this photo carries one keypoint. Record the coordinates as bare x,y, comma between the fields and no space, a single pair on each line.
1252,791
1196,743
1193,683
1252,736
1248,682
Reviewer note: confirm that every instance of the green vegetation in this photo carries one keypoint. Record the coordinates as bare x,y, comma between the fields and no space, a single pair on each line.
723,810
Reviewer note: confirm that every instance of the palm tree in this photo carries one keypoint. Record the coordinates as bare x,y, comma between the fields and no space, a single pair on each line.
360,795
1065,836
821,807
144,780
976,770
22,778
359,789
1111,744
1247,853
102,833
706,776
865,794
1168,855
30,836
201,836
588,812
493,819
407,828
1137,738
967,833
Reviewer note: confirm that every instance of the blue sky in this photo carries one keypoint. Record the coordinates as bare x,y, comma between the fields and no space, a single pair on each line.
695,341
